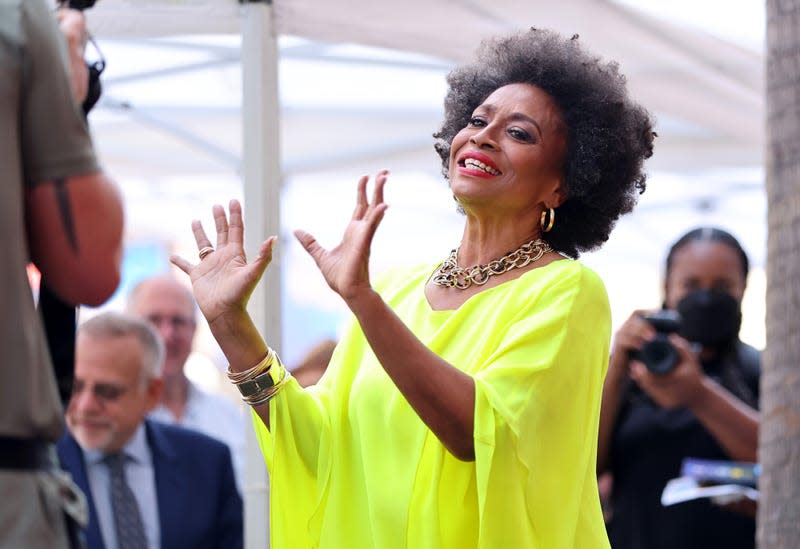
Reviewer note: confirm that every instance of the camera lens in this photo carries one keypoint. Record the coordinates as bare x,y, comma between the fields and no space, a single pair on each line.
658,355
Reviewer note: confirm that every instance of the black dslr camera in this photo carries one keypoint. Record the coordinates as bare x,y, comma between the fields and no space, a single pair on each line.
658,354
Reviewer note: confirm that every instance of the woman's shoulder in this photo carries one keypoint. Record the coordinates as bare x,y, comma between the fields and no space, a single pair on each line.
565,288
563,273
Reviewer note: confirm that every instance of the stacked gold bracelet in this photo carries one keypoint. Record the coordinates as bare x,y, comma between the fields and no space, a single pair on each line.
261,382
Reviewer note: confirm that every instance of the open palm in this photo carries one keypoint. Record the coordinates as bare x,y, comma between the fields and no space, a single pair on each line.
223,280
346,267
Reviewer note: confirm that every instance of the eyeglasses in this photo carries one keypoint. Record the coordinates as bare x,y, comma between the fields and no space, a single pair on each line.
176,321
107,392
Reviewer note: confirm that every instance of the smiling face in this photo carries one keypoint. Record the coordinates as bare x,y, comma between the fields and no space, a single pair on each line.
111,395
510,155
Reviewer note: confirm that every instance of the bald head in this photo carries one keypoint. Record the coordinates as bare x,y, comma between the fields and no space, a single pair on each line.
170,307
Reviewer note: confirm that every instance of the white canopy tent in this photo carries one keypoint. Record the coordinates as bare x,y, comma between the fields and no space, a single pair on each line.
710,88
347,110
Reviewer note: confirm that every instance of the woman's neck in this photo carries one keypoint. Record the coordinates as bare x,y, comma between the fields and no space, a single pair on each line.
482,242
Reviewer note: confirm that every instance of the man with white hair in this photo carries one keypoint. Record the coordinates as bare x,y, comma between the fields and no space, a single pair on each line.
169,306
148,485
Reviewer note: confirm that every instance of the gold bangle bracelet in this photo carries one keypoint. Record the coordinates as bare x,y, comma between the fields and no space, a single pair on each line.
262,382
250,373
268,385
257,400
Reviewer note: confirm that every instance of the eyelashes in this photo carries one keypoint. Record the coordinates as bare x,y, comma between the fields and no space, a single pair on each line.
515,132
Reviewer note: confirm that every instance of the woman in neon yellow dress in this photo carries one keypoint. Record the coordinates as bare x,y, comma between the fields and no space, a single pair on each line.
460,408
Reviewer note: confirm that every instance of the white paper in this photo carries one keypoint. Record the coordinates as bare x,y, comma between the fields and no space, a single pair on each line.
683,489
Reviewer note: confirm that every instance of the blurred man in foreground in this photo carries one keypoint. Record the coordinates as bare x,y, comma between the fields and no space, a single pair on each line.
58,210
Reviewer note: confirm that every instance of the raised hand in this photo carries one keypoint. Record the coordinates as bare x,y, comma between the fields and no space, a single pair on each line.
223,279
346,267
633,334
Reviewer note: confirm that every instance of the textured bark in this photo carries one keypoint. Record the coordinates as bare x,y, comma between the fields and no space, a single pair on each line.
779,444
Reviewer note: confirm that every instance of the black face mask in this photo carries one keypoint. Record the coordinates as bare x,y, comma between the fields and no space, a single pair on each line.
709,317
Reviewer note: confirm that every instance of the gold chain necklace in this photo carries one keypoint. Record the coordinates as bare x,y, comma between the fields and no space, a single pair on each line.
450,275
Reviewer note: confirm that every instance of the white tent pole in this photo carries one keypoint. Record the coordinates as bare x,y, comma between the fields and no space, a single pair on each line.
261,171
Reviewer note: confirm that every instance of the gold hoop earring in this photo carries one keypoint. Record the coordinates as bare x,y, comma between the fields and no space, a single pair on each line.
547,220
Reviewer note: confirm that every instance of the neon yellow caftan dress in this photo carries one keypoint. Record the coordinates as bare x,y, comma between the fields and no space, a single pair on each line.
352,466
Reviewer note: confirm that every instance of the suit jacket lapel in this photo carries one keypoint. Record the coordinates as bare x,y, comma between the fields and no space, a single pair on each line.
170,486
71,457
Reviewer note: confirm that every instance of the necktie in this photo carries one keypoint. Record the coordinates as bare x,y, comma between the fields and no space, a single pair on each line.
127,517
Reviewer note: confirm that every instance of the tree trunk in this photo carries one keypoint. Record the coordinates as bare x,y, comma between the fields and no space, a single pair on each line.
779,444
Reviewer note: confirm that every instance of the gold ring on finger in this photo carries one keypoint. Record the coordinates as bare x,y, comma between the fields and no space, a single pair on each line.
204,252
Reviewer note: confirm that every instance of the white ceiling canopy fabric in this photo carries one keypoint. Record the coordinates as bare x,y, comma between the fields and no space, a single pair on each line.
707,92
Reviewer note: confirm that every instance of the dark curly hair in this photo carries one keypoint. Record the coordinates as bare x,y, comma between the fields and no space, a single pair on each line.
608,135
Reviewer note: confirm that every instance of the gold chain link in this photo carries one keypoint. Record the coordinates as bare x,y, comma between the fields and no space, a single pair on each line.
450,275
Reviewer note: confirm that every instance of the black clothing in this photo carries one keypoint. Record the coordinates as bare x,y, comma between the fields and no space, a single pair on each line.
647,448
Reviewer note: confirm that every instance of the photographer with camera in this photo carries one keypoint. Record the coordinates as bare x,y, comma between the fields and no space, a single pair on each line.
58,210
681,384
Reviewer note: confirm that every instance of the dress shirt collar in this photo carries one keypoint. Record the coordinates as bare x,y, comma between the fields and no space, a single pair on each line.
136,449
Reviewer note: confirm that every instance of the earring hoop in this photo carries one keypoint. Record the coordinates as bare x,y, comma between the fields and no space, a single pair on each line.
547,220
